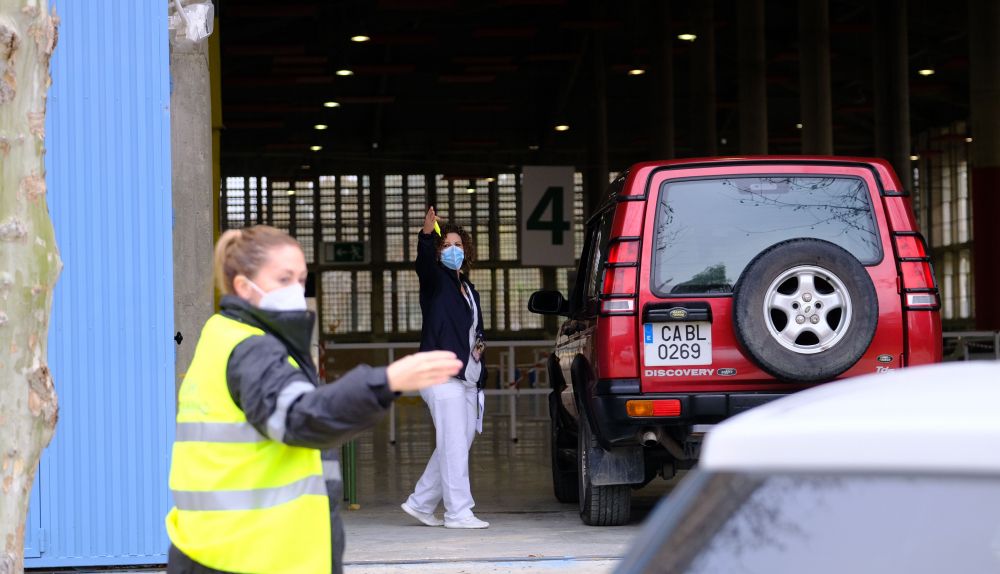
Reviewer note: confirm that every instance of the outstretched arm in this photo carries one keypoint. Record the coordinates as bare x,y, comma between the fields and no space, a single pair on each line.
281,403
426,252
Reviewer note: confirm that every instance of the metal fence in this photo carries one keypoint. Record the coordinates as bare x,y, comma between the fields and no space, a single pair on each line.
971,345
518,371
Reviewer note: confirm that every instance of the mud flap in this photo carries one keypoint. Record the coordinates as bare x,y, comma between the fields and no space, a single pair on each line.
620,465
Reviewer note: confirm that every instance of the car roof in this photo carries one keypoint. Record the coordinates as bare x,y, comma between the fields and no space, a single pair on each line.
938,418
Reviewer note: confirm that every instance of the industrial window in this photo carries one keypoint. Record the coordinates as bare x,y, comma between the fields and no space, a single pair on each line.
302,226
394,217
346,300
280,213
336,208
466,203
234,196
578,213
943,203
483,280
401,301
964,288
481,217
416,206
343,208
947,286
506,220
521,284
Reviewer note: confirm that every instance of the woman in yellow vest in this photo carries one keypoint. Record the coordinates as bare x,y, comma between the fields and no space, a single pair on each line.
246,475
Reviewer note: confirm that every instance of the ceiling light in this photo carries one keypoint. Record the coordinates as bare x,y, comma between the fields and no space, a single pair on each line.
533,147
470,190
687,37
968,140
304,166
914,157
331,104
345,72
316,147
562,128
291,192
926,72
321,126
491,179
360,38
798,126
636,72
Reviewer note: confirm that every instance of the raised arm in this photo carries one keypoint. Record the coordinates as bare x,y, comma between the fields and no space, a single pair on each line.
426,252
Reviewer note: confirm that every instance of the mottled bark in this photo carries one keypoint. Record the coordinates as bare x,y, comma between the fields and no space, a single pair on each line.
29,264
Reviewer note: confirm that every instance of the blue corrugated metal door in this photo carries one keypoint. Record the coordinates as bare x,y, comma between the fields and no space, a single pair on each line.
103,491
33,529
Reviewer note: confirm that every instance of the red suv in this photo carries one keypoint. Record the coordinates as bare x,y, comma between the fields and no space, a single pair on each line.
707,287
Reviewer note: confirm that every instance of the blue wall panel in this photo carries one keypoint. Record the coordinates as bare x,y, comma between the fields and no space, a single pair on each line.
103,480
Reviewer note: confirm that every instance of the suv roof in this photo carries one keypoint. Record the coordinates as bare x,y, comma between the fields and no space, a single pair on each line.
933,418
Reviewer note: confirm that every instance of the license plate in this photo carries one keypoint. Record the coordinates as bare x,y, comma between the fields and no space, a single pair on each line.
681,343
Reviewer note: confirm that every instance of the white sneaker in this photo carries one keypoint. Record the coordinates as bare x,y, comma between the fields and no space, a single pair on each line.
426,517
470,522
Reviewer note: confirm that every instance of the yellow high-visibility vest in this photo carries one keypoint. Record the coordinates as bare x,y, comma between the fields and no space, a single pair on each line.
242,502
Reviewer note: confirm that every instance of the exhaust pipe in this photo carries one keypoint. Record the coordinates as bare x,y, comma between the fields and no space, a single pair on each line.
649,438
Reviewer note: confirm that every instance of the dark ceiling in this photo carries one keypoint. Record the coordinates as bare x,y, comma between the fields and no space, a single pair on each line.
446,86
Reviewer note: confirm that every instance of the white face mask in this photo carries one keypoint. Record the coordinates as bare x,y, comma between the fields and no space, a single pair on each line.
291,298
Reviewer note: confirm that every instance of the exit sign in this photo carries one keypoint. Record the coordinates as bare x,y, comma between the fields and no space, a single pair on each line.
345,252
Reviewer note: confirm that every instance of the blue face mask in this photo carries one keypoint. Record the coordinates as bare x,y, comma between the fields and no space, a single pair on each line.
452,257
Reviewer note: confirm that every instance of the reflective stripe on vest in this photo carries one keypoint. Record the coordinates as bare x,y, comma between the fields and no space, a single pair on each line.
248,499
287,396
243,501
217,432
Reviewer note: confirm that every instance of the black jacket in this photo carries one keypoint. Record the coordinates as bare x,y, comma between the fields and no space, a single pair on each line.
447,317
258,370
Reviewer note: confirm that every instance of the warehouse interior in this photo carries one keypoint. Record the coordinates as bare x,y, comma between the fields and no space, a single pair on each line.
341,122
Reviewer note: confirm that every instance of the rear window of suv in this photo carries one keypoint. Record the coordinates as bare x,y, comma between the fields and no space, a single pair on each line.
708,230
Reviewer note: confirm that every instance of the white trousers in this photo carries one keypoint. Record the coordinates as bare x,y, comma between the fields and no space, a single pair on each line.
454,407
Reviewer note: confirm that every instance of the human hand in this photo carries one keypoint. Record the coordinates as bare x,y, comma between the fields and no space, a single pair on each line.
429,220
422,370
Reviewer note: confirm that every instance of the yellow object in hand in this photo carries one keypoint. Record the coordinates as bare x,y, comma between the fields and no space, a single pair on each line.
437,228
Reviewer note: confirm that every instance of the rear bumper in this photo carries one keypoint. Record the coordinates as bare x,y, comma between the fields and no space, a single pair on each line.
615,427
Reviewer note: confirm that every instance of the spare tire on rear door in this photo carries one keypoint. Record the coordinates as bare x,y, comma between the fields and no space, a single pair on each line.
805,310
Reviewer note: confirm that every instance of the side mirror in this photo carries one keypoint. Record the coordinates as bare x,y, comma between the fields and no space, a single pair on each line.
548,303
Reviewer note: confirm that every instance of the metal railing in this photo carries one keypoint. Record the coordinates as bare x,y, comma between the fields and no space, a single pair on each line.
509,378
971,345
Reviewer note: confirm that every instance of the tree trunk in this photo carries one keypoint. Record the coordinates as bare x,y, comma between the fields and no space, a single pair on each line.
29,265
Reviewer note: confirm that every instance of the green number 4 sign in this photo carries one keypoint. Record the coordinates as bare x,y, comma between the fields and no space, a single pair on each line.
558,224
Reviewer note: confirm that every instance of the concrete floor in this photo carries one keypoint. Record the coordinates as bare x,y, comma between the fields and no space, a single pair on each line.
530,531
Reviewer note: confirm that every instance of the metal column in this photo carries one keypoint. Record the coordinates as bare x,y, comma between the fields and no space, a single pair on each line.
703,122
984,52
892,87
753,81
814,77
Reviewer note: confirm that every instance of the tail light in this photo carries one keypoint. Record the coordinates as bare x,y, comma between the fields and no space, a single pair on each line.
653,408
919,289
618,291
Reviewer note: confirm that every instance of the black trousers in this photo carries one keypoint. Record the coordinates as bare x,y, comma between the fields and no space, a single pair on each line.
180,563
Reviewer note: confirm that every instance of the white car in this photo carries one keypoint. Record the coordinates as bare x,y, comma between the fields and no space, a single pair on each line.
886,473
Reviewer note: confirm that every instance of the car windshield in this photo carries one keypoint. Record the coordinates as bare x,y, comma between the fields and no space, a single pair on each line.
834,524
708,230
